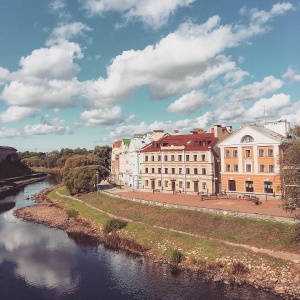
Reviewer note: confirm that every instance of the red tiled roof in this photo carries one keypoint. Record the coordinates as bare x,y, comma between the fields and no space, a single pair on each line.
117,144
189,141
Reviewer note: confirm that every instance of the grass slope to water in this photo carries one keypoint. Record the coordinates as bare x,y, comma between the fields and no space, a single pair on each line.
258,233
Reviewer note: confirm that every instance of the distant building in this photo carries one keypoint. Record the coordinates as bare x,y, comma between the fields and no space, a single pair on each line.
185,163
250,159
115,166
8,153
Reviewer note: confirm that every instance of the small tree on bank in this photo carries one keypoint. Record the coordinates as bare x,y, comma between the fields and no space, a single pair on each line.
83,179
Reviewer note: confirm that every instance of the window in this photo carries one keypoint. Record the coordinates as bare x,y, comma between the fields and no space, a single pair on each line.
203,157
180,157
248,168
270,152
227,168
195,171
203,171
203,185
231,185
227,153
195,157
166,183
271,168
159,170
172,157
146,182
262,168
249,186
159,183
180,184
203,143
268,186
166,170
248,153
146,158
261,152
180,170
187,170
152,170
247,139
166,158
236,168
234,153
159,158
188,185
187,157
152,157
173,170
196,143
146,170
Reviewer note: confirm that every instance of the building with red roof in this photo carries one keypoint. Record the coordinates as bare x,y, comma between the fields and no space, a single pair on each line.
183,163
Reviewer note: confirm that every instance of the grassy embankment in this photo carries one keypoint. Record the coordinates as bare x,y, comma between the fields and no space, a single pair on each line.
201,233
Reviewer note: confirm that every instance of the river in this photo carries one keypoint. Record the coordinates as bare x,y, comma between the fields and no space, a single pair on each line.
37,262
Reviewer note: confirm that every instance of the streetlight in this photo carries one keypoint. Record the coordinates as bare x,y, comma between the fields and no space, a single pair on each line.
97,176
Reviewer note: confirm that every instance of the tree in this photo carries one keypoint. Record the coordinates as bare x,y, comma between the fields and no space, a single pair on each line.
83,179
291,176
295,130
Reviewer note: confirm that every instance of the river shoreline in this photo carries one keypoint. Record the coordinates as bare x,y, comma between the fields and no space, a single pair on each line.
84,231
13,185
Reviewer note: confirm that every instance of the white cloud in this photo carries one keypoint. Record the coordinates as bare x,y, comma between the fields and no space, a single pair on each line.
4,75
189,103
17,113
186,59
66,32
291,74
53,126
257,89
153,13
268,108
9,132
105,116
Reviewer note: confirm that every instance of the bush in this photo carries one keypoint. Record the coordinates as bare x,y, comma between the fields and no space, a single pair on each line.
113,225
176,256
72,213
238,268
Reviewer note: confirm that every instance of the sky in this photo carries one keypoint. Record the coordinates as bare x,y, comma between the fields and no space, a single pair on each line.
82,73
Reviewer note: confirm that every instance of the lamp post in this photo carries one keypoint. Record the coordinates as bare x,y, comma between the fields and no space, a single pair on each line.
97,178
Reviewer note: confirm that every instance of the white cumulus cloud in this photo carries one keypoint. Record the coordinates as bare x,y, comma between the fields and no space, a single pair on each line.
17,113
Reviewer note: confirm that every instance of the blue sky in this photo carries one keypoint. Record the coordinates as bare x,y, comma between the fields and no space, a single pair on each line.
81,73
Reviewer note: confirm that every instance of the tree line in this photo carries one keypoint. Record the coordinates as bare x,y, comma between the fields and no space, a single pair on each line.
80,169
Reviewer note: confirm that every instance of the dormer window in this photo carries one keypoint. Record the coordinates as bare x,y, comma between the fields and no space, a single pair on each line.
247,139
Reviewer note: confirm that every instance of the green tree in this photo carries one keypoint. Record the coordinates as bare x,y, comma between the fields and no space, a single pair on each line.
291,176
295,130
83,179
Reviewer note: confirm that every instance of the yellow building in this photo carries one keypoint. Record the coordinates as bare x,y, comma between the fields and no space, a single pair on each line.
250,159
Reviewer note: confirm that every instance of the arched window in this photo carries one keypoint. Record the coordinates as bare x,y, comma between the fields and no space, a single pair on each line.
247,139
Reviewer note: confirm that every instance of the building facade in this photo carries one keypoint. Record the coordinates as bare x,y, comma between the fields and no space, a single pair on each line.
250,159
8,153
115,166
183,163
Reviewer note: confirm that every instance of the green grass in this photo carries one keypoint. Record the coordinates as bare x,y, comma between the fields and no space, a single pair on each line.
162,242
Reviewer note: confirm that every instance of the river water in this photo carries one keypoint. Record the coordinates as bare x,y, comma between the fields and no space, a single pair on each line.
37,262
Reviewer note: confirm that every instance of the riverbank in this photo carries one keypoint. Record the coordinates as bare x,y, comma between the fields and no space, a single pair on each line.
216,259
11,185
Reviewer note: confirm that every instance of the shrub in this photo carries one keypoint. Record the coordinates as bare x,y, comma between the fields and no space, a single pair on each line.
113,225
176,256
238,268
72,213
